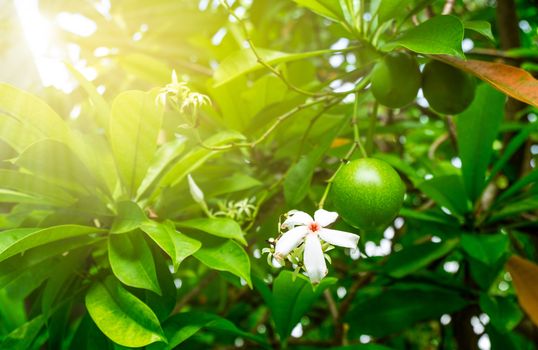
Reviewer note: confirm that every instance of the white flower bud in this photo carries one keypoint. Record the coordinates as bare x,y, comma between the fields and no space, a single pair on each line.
196,192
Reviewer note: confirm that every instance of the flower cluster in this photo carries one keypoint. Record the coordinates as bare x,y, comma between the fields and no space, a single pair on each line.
301,227
181,97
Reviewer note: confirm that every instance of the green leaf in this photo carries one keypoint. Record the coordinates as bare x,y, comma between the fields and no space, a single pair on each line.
88,337
447,191
526,180
13,242
23,337
229,257
293,296
132,262
416,257
481,27
182,326
504,312
177,245
477,128
135,121
439,35
221,227
244,61
130,217
488,249
12,312
514,209
121,316
57,163
389,9
327,8
396,309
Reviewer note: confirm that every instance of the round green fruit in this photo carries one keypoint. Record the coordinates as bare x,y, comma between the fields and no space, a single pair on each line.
396,80
447,89
367,193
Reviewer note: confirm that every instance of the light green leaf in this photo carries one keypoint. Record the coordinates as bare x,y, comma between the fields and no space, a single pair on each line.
221,227
389,9
135,121
485,248
121,316
177,245
130,217
477,128
439,35
481,27
327,8
416,257
16,241
244,61
132,262
229,257
293,296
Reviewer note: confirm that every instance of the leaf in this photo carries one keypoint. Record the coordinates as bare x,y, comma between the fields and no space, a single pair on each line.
130,217
477,128
229,257
135,121
132,262
293,296
512,81
244,61
121,316
396,309
416,257
182,326
447,191
528,179
389,9
23,337
481,27
525,278
13,242
56,162
221,227
174,243
503,312
485,248
438,35
327,8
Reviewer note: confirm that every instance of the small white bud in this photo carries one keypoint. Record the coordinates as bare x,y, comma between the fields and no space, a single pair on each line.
196,192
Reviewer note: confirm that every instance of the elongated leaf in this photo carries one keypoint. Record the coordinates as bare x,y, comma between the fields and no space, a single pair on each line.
244,61
327,8
411,259
388,9
528,179
525,278
130,217
22,337
177,245
19,240
512,81
229,257
135,121
121,316
447,191
292,297
477,128
439,35
181,327
221,227
16,134
132,262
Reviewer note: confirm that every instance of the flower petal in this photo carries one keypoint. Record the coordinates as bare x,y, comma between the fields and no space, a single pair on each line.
314,261
297,217
339,238
289,241
324,217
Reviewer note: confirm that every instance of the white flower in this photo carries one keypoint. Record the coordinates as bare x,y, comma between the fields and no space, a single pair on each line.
196,192
301,227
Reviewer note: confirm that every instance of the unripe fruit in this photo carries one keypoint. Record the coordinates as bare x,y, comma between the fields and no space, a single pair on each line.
447,89
396,79
367,193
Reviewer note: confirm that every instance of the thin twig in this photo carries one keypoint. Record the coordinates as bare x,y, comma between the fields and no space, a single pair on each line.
449,6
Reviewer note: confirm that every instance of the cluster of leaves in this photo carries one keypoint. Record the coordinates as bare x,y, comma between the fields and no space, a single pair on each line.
103,244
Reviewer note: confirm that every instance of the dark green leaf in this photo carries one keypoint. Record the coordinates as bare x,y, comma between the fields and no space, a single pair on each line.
22,337
485,248
503,312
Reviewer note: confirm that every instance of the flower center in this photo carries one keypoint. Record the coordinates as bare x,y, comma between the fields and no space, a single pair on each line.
314,227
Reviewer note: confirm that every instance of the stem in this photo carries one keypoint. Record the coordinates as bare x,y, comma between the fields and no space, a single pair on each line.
371,129
356,144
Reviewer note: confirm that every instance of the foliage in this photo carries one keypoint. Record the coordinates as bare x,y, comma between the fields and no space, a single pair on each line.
141,221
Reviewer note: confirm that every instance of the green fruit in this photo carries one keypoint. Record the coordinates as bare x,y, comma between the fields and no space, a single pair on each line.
396,79
447,89
367,193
